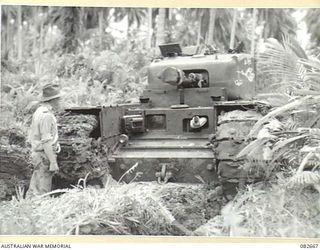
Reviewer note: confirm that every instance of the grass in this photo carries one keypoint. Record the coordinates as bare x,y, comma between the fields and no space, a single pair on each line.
268,210
125,209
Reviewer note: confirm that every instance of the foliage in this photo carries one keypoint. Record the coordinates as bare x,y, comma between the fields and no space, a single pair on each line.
289,137
273,211
134,208
68,20
291,132
277,22
184,31
17,92
133,15
313,26
87,78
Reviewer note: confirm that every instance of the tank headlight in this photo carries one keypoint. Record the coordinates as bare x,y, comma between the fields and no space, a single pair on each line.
123,139
197,122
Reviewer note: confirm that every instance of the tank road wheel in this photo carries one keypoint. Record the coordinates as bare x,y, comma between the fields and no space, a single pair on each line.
82,156
231,137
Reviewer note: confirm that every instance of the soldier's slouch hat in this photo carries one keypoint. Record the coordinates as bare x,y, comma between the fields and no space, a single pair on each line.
50,91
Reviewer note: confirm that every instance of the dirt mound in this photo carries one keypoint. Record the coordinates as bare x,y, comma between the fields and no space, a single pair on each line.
81,155
15,167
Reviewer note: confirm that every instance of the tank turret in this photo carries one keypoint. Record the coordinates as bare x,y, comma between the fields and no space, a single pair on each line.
204,77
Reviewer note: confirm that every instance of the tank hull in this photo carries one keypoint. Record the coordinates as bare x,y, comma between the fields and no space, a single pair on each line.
187,160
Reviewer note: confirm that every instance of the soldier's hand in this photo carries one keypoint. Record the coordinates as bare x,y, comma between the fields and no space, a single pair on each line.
54,167
58,149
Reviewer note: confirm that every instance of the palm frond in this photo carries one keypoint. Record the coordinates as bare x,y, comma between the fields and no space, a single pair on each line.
252,147
303,179
304,162
287,64
307,100
285,143
294,46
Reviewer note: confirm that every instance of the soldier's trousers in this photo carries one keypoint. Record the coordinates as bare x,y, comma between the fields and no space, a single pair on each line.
41,180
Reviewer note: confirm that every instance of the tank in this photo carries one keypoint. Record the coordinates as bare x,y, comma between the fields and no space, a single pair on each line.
190,123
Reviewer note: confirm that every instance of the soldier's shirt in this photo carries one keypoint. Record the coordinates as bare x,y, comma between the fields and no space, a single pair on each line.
43,128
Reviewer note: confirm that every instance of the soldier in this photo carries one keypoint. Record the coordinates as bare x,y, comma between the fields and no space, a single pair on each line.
43,137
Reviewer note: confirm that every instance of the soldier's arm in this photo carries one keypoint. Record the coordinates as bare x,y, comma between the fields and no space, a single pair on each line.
46,140
49,152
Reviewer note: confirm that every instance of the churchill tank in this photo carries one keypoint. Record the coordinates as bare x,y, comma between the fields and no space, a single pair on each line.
188,127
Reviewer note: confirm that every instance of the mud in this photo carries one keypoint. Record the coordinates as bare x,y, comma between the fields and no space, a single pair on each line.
231,137
81,154
15,166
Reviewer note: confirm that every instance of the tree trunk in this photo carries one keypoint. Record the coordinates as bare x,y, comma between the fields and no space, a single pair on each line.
3,43
266,28
41,42
253,32
38,67
212,21
128,34
170,14
19,26
81,20
100,14
233,29
199,29
149,38
161,26
8,34
4,38
34,39
48,33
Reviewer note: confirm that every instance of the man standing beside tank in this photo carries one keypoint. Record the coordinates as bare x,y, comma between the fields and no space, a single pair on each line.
43,137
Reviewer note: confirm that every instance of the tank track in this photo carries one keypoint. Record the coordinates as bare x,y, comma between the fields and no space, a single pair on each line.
81,155
232,132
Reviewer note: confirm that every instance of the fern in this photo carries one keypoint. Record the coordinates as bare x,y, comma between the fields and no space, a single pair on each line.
129,171
83,181
19,192
137,176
